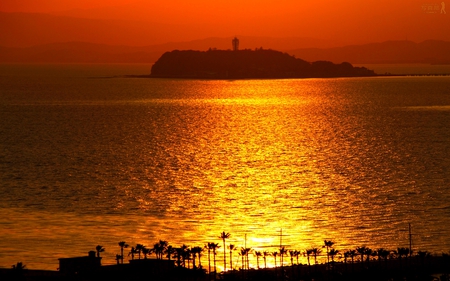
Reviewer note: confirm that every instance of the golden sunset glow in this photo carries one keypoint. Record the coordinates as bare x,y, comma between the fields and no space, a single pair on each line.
282,123
342,22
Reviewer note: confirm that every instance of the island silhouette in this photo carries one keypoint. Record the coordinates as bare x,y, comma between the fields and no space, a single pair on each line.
247,64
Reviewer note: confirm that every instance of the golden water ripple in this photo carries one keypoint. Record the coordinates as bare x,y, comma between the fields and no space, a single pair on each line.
183,160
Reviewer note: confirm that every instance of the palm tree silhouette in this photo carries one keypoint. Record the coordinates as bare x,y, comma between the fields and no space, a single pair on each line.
378,252
132,253
265,254
242,254
368,252
346,256
297,255
247,252
146,251
179,255
362,252
186,255
258,254
212,246
19,266
138,249
316,252
328,245
99,249
208,247
333,252
182,254
275,254
402,252
122,245
196,251
224,236
118,259
232,248
308,254
352,254
163,245
384,254
292,255
245,262
200,251
283,252
193,252
159,249
170,250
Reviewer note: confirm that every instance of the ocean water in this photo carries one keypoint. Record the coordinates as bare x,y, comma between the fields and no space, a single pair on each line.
89,157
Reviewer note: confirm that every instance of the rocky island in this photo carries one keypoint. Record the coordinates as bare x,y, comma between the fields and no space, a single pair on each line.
247,64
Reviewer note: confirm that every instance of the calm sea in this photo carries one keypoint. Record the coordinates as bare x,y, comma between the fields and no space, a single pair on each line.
90,157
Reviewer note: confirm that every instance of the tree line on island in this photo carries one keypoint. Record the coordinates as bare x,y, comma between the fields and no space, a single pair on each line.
247,64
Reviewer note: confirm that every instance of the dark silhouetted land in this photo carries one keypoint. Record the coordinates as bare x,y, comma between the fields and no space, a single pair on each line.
247,64
414,268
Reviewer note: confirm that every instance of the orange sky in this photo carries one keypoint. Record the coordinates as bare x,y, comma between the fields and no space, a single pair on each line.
346,21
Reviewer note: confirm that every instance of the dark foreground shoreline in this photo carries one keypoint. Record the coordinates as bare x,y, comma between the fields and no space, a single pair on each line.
436,268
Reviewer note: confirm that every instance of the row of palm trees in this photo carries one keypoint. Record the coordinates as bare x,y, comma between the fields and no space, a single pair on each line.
366,254
181,254
184,254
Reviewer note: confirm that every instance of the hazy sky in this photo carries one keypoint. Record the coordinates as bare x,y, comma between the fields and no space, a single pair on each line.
349,21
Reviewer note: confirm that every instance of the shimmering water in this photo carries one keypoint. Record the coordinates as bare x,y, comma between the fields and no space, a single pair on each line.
89,158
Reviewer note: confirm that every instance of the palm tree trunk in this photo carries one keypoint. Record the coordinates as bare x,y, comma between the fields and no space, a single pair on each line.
224,256
209,260
353,267
248,263
214,257
215,270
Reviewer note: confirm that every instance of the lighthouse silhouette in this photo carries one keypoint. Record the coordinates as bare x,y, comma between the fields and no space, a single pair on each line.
235,43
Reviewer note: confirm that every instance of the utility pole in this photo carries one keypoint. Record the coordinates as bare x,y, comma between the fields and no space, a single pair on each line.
281,238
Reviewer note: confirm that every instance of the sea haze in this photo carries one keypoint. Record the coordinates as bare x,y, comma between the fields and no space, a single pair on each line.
89,157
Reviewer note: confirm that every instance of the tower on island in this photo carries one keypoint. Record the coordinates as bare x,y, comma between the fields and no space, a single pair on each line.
235,43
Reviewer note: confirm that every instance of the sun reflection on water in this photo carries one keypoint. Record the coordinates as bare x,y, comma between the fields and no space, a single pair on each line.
184,160
250,166
252,163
